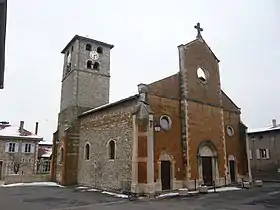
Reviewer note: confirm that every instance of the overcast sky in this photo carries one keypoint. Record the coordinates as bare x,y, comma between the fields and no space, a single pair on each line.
244,35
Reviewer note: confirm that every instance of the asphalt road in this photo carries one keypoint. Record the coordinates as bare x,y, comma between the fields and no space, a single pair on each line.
55,198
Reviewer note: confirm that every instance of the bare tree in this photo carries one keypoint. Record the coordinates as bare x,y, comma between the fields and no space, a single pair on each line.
16,163
41,152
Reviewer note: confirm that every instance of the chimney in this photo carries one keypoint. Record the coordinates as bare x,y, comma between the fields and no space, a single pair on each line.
36,128
21,125
274,123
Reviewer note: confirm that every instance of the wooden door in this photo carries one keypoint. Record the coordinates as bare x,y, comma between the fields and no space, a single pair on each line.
165,175
207,171
232,170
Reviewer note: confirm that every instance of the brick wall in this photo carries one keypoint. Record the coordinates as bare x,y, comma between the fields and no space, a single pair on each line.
168,141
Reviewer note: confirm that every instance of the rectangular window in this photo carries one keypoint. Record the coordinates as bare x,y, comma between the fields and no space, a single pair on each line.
27,148
264,153
12,147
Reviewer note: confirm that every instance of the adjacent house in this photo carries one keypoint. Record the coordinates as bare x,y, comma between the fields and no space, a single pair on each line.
18,149
44,157
264,151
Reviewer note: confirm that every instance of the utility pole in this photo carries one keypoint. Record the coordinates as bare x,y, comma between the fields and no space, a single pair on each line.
3,20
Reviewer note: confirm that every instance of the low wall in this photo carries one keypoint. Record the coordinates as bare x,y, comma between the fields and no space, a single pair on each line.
10,179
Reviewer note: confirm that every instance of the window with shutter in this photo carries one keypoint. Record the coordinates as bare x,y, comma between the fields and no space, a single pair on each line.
264,153
11,147
27,148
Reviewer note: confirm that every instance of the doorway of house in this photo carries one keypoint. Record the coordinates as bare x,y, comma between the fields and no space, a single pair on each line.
166,175
232,170
207,171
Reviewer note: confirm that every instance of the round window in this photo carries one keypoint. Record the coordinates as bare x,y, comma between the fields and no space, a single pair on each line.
230,131
165,123
201,75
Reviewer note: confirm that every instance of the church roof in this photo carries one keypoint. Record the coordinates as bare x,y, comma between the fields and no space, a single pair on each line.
228,104
85,39
105,106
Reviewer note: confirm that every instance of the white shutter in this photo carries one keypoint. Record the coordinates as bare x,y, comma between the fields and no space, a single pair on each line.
23,147
258,153
7,147
267,153
32,148
16,147
250,154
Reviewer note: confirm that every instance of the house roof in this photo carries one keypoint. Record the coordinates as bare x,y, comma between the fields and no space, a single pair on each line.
85,39
45,143
47,153
262,130
7,130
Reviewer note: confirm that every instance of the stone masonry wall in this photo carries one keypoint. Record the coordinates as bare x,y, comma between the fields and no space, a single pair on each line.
98,129
10,179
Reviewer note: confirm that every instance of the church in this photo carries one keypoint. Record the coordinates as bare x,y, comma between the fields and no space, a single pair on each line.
178,132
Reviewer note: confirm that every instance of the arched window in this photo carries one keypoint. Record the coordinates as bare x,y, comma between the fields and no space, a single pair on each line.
89,64
88,47
96,66
112,150
87,151
99,50
61,154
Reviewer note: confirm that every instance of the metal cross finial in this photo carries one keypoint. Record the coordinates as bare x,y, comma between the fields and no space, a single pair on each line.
197,27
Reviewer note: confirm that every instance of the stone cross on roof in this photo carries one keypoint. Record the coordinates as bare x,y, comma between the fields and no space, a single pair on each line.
199,30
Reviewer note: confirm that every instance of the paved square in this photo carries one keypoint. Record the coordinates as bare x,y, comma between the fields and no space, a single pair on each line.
49,197
56,198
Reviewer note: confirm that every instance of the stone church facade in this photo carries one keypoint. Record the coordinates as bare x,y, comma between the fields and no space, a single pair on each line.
177,132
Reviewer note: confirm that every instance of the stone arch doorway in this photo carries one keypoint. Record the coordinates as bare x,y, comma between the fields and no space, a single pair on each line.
232,168
207,162
166,167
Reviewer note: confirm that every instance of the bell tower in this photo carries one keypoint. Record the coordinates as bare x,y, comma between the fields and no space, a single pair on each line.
86,74
85,85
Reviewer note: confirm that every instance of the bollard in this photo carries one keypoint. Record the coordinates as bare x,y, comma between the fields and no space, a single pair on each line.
242,183
195,184
225,180
214,185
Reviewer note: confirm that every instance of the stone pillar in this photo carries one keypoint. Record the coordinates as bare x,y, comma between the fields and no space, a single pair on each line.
248,158
143,145
134,155
150,148
64,169
184,110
